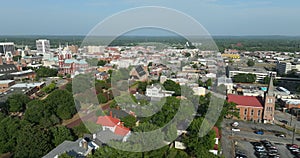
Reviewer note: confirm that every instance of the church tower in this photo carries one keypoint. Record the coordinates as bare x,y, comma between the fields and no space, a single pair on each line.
269,103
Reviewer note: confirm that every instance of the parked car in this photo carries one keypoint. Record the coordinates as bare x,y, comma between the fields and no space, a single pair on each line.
260,132
260,149
292,146
280,135
235,129
284,121
235,124
240,155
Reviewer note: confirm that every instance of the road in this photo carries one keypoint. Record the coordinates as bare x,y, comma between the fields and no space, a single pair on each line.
286,116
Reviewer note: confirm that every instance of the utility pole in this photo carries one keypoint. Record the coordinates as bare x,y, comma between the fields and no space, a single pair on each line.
291,119
294,133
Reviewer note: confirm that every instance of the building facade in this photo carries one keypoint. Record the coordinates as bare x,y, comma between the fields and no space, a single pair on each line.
256,108
42,46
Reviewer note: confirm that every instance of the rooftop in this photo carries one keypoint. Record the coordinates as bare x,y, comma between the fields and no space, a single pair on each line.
240,100
6,81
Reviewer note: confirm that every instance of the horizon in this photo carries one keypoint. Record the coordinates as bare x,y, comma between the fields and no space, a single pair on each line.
220,18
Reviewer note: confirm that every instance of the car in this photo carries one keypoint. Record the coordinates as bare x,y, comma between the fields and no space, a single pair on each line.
240,155
260,132
274,156
235,124
235,129
256,143
272,148
260,149
292,146
284,121
272,151
280,135
261,154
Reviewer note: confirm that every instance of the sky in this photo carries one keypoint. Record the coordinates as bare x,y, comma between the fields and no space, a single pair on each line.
218,17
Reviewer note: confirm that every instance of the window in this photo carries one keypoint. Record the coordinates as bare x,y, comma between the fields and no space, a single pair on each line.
245,112
270,100
258,113
252,112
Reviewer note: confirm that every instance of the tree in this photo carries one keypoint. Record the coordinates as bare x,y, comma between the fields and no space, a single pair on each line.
142,86
208,82
101,98
69,86
38,112
129,121
46,72
250,63
172,86
80,130
175,153
17,102
60,134
33,141
101,63
199,146
63,103
8,133
64,155
48,89
244,78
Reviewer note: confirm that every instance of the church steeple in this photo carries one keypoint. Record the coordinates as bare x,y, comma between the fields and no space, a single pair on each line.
269,103
270,91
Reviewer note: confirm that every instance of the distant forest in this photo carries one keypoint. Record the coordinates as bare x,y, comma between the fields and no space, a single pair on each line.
247,43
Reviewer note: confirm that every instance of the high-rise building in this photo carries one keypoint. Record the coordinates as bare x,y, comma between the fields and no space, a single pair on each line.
42,46
7,47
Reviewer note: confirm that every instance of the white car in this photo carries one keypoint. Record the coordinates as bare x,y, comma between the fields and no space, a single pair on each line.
235,129
260,150
235,124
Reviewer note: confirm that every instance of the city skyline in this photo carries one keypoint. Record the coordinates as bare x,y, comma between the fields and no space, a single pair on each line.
226,17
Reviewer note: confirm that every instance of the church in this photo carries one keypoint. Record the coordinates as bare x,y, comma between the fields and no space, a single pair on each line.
256,108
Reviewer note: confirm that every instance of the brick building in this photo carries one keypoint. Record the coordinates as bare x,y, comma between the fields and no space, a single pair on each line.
256,108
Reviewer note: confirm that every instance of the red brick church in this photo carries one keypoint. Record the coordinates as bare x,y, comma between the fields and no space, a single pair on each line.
256,108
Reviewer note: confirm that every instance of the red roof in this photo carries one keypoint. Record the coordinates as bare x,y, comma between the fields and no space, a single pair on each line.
216,129
245,100
107,121
121,130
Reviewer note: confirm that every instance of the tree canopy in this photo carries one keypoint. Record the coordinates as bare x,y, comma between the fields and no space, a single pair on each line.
244,78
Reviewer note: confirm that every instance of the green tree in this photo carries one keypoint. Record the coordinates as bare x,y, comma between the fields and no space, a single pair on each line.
8,134
142,86
250,63
69,87
101,98
46,72
172,86
17,102
101,63
129,121
60,134
244,78
64,155
48,89
33,141
63,103
80,130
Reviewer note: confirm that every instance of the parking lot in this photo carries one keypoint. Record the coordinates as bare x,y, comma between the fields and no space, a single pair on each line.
233,141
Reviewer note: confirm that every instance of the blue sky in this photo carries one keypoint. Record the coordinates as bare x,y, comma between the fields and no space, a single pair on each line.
219,17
